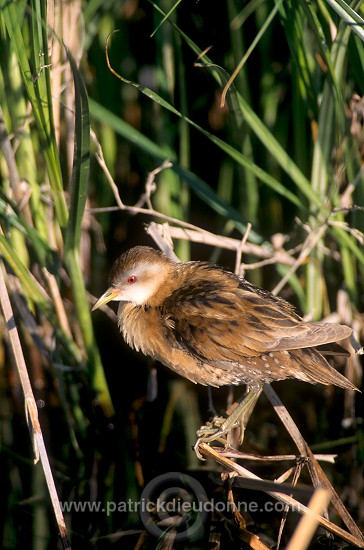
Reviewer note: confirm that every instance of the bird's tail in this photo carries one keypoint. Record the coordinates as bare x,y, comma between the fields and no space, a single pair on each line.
316,369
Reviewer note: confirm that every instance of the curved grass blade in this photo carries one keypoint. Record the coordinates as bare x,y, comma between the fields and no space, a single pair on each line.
79,187
349,15
254,43
11,215
81,160
166,17
260,130
228,149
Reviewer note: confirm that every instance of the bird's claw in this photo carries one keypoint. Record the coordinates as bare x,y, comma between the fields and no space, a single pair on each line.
206,439
209,432
210,427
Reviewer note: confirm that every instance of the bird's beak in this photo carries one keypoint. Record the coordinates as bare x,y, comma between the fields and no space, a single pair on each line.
108,296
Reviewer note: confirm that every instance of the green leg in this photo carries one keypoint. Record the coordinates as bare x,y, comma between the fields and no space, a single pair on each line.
240,416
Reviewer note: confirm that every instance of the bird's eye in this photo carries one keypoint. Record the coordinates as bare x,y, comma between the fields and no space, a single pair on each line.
132,279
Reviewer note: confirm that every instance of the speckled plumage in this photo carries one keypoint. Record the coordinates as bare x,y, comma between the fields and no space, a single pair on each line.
214,328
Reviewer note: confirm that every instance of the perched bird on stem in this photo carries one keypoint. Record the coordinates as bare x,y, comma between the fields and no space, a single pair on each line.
217,329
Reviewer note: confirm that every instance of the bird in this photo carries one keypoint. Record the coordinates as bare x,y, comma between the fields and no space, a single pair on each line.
216,328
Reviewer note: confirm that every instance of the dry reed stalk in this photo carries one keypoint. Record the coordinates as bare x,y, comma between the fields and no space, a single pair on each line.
308,524
31,410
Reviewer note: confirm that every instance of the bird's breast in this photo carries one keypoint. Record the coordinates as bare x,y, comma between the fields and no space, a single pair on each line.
144,329
153,333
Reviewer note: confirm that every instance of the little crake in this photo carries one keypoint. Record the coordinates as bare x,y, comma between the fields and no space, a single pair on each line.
215,328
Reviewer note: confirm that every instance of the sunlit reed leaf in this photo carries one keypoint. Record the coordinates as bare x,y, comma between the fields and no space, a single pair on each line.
37,84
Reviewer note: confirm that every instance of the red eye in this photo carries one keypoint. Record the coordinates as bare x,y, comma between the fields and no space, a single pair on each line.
132,279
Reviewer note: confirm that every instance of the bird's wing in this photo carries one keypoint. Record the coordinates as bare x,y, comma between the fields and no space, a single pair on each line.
231,322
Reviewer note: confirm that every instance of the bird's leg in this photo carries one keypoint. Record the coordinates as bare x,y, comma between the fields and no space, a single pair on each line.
247,406
240,416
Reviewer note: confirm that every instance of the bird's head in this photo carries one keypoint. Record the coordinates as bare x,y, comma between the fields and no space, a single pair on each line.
136,276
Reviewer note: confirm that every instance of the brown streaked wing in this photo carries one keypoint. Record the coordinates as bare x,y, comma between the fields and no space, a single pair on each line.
221,317
225,326
318,334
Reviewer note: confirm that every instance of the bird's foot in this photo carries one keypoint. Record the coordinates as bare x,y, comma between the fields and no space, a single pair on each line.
216,430
211,427
221,429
